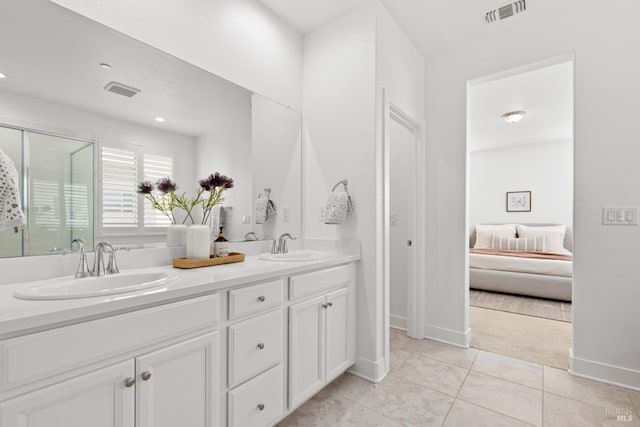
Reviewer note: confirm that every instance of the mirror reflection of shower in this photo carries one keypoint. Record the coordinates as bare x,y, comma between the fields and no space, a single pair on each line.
56,188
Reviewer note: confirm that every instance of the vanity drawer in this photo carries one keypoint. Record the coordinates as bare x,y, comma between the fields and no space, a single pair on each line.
254,299
316,283
254,345
36,356
259,402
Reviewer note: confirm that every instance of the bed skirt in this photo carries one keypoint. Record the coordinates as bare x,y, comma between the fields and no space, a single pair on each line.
535,285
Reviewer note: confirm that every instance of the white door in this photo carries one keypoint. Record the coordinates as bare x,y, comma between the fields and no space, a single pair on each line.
339,330
178,385
103,398
402,158
306,331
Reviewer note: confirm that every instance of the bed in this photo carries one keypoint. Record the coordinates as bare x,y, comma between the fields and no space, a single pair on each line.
510,272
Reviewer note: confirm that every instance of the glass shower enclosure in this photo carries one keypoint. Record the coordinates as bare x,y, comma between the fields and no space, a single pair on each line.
56,186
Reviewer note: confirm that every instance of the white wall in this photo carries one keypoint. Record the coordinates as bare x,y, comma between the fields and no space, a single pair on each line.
346,64
239,40
43,115
545,169
339,117
606,290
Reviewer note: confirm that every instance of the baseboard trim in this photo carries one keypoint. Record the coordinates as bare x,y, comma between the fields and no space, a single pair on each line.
603,372
398,322
369,370
448,336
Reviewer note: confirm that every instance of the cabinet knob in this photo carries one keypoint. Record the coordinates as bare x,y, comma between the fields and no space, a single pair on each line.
330,304
261,298
129,382
260,406
145,375
324,306
261,346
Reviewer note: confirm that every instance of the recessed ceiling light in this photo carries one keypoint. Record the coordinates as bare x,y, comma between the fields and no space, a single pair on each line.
160,119
105,66
3,75
513,116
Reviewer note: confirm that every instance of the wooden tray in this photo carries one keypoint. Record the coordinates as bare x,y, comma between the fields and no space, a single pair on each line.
197,263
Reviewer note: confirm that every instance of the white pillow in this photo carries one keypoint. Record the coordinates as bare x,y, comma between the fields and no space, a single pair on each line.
484,233
537,244
554,236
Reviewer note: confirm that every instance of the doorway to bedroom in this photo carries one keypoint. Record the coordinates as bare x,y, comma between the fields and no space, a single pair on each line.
520,211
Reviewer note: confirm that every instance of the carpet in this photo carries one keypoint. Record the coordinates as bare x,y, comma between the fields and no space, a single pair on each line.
529,306
529,338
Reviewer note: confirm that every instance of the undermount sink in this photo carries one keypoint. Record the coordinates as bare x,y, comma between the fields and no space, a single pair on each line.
71,288
294,256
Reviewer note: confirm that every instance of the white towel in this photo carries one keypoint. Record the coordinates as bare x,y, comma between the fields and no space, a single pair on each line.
335,211
262,209
11,214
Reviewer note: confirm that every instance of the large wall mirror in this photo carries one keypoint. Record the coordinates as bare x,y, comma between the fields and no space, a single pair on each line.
86,113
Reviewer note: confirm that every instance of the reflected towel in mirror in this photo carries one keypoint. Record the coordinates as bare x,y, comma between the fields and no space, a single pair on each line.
11,214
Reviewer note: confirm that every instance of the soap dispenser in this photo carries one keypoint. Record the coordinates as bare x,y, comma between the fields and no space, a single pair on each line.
221,245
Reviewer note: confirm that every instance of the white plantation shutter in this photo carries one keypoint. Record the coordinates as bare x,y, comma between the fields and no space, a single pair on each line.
123,210
156,167
119,175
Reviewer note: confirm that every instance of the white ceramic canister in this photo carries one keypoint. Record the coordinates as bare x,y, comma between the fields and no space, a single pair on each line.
198,245
177,235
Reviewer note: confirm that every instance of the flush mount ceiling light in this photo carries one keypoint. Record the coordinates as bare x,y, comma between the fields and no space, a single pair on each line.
105,66
513,116
3,75
160,119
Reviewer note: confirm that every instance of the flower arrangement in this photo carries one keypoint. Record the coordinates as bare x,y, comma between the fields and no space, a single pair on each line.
166,199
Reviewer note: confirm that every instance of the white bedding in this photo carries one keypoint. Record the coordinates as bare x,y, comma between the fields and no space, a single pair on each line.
549,267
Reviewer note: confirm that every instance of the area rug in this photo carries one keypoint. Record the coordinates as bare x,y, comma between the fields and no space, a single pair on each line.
529,338
529,306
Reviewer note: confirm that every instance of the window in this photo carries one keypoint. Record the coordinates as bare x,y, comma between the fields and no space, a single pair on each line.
122,210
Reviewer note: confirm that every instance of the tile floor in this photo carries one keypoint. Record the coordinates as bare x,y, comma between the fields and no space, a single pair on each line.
434,384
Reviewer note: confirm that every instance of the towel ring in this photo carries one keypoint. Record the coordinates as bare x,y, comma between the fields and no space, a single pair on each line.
345,183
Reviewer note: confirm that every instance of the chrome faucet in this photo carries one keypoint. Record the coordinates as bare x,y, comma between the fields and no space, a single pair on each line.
282,243
99,268
83,267
250,237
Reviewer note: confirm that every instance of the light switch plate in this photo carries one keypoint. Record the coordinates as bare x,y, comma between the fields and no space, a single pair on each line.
619,216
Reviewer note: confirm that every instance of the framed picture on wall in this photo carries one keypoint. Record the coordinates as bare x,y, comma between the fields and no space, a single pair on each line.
519,201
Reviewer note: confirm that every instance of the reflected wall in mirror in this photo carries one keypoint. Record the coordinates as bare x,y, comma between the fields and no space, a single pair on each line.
57,80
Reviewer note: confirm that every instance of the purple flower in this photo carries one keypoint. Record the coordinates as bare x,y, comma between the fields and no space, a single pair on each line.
165,185
145,187
216,180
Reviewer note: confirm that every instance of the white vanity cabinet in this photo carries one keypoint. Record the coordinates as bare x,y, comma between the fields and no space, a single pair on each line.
95,373
321,330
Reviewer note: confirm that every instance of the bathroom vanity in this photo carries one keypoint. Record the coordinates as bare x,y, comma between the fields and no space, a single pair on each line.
235,345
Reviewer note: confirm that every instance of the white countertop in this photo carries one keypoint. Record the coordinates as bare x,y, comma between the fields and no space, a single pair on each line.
18,316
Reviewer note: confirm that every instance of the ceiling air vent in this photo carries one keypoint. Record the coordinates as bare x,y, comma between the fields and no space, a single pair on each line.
121,89
505,11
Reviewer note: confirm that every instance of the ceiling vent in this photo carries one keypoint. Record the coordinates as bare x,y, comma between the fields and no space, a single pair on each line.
506,11
121,89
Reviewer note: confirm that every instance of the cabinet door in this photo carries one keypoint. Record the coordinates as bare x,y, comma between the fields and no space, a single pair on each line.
306,362
340,332
178,385
96,399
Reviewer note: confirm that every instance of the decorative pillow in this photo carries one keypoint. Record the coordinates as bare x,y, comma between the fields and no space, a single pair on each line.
484,233
554,234
535,244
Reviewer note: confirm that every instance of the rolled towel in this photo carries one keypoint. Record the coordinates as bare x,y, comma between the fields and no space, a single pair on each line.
11,214
261,209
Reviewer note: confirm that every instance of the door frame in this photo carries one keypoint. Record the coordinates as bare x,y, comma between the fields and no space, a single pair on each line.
416,286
